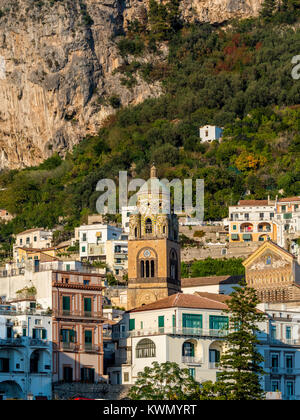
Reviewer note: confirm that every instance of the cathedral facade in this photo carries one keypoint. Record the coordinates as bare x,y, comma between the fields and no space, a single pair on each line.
153,246
274,273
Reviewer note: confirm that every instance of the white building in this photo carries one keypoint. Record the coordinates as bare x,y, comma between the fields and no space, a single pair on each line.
210,284
126,212
186,329
209,133
92,240
25,352
33,238
117,255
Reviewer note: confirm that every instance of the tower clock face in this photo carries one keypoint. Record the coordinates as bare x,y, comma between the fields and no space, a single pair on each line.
147,253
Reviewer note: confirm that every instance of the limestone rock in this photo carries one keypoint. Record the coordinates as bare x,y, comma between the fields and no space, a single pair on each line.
57,62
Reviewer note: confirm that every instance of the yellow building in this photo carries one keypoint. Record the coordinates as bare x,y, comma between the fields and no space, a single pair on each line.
44,254
252,221
274,273
153,247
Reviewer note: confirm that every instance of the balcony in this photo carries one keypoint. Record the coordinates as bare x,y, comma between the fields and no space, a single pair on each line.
190,332
191,360
69,346
77,315
91,348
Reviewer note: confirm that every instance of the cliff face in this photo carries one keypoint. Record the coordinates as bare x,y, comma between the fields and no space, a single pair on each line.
57,62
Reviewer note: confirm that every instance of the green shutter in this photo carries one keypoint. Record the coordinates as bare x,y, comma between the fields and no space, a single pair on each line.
174,320
88,337
66,303
161,321
131,324
87,305
44,334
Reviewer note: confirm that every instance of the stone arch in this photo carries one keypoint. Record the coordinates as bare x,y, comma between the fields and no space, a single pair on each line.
11,389
40,361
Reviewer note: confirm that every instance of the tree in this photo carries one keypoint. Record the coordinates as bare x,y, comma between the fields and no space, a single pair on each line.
241,362
268,8
165,381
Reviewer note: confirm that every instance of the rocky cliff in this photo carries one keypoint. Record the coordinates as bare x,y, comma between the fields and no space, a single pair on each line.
57,62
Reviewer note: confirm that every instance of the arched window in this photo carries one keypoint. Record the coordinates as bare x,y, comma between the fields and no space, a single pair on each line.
145,348
148,226
173,265
152,269
147,269
188,349
142,269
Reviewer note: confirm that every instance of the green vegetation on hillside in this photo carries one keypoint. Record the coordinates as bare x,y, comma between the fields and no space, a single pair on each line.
236,76
213,267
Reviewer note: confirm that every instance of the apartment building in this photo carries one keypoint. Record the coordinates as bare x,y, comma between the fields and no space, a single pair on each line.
77,327
34,238
281,352
92,240
117,255
252,220
25,351
287,221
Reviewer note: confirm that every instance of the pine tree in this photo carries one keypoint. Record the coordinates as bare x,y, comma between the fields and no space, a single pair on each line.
241,362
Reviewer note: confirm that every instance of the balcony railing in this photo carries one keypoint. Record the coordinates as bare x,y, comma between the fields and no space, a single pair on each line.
24,341
191,360
77,315
197,332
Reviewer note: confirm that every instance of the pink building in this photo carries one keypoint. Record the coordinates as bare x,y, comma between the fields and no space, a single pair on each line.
77,327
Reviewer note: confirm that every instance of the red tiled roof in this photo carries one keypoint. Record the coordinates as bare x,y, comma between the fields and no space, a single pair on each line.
254,203
181,300
288,199
210,280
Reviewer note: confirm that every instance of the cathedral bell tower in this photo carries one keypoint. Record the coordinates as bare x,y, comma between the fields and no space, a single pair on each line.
153,246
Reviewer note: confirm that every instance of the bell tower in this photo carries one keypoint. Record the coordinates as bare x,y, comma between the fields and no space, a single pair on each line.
153,246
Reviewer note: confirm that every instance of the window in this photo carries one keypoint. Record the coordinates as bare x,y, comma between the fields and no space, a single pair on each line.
148,226
274,360
145,348
188,349
88,338
218,322
288,333
21,241
283,208
27,240
289,361
83,249
126,377
38,322
273,332
234,227
35,239
192,372
275,386
161,323
271,215
84,237
290,388
86,282
68,267
4,364
191,321
67,336
66,303
87,306
261,215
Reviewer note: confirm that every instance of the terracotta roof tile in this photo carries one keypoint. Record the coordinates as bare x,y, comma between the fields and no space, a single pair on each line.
254,203
181,300
288,199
